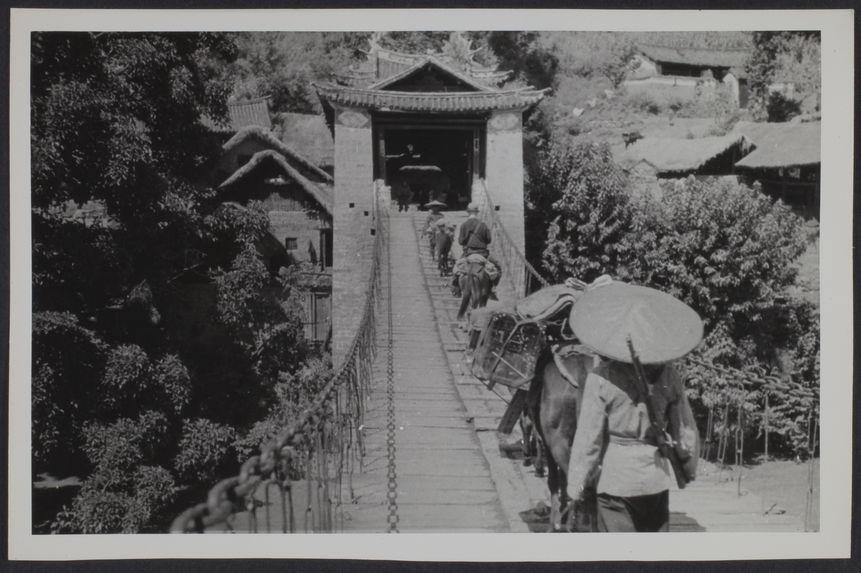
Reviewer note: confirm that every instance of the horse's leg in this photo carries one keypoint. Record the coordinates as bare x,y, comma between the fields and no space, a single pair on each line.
484,285
553,484
465,296
540,461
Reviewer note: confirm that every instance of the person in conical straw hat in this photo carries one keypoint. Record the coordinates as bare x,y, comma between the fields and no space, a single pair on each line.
636,429
434,214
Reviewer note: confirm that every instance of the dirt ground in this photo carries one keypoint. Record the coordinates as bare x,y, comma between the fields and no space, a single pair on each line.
782,486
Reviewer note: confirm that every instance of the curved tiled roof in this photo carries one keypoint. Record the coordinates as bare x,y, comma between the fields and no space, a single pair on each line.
430,60
678,155
250,112
696,56
781,144
451,102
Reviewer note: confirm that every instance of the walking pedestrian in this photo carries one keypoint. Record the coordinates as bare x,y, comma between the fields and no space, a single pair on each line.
474,237
616,449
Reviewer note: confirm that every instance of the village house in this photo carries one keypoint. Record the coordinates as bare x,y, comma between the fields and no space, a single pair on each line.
662,158
679,72
785,161
782,159
297,196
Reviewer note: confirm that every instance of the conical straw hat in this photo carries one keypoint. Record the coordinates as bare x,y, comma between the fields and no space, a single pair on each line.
436,203
661,327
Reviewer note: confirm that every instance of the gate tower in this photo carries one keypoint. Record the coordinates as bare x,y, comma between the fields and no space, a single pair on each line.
437,123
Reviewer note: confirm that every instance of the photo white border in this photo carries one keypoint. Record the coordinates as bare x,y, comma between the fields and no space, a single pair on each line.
833,539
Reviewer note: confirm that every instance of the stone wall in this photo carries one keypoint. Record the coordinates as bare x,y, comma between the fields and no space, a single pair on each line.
504,171
298,225
353,222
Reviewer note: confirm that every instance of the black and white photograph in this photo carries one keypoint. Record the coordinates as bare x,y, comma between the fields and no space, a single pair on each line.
280,276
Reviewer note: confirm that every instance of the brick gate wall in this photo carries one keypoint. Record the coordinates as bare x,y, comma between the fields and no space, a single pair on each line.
353,221
504,171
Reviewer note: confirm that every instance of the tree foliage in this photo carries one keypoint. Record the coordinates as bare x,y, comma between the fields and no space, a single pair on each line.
283,66
724,248
525,54
784,59
586,193
129,244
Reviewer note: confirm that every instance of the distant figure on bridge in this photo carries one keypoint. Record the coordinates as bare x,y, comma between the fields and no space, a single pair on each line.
403,195
474,237
431,225
444,241
434,214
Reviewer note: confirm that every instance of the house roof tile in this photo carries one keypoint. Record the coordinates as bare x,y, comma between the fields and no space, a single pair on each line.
779,145
451,102
673,155
696,56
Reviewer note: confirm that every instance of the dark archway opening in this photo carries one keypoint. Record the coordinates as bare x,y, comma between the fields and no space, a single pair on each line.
436,162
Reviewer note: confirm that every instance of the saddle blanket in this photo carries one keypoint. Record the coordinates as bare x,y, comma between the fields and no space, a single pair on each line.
546,303
462,264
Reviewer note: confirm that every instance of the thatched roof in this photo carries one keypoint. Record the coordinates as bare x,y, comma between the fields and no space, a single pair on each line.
781,144
307,167
696,56
678,155
249,112
322,193
309,133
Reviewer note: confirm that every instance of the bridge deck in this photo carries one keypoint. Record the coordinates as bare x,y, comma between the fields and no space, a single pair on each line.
443,480
455,472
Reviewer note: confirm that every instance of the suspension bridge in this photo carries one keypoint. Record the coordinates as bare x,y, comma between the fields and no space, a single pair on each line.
403,439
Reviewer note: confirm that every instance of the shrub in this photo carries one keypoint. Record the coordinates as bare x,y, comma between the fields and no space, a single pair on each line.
154,491
93,511
725,248
239,302
115,450
96,509
125,382
172,382
51,421
204,450
66,361
644,101
591,215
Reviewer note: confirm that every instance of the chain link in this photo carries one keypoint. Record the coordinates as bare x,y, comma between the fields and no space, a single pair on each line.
392,474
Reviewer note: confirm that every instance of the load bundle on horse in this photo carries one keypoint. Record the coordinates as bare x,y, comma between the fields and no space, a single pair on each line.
473,281
492,270
507,343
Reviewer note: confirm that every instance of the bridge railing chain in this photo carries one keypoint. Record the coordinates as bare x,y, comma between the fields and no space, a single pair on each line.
310,464
522,276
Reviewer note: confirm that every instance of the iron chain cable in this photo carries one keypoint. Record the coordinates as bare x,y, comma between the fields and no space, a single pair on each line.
302,442
520,272
391,450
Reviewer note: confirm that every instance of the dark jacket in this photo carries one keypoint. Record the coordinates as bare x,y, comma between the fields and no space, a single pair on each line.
474,235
